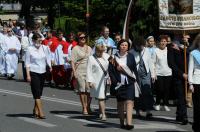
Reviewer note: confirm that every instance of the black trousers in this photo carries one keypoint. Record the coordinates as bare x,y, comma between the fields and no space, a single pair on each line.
196,108
37,84
181,111
163,84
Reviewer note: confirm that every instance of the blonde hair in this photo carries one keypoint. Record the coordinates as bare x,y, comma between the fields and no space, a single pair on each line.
100,47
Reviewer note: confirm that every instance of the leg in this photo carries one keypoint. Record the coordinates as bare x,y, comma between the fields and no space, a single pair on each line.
129,111
196,108
102,108
120,108
39,107
83,99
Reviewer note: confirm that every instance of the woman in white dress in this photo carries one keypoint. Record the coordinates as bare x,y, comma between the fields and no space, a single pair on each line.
97,75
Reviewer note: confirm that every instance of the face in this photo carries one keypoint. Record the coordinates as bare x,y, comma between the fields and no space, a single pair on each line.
71,38
163,43
151,42
82,39
49,35
169,41
117,38
99,53
60,36
9,31
106,32
123,47
4,30
38,42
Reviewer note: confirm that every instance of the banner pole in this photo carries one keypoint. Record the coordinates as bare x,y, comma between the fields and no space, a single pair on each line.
185,63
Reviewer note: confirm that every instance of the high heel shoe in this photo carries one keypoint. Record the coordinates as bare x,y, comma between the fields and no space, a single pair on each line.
41,117
34,114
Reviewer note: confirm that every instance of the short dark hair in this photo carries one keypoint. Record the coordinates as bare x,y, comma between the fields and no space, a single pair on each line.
122,41
163,37
36,36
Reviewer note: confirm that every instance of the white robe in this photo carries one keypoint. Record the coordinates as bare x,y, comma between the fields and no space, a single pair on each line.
59,56
95,75
12,56
2,54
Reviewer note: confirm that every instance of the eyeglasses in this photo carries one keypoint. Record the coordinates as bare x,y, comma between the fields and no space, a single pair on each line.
9,31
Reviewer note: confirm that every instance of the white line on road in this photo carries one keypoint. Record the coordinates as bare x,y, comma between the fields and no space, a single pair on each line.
80,120
136,126
37,122
57,100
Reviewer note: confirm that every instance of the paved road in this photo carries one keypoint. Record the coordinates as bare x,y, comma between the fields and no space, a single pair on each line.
63,112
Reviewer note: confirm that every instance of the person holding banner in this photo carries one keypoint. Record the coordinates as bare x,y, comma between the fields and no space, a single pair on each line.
194,81
175,58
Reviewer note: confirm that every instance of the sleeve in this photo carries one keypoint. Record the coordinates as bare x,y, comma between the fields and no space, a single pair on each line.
48,56
89,77
18,46
172,64
73,55
27,58
151,63
190,68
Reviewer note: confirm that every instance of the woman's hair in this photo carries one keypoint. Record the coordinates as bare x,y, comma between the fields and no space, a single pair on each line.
36,36
122,41
138,41
80,33
196,42
100,47
163,37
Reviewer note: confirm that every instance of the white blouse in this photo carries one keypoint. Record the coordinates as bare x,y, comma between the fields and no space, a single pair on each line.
161,65
38,59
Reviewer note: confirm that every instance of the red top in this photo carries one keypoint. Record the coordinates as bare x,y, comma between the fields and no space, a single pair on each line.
65,46
51,42
74,43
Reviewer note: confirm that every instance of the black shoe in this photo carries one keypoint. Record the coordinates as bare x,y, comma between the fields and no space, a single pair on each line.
184,122
123,127
129,127
149,115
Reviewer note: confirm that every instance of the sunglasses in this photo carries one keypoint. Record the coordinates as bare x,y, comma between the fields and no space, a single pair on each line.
9,31
82,37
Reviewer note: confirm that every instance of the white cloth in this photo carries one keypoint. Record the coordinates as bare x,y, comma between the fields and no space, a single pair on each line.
146,56
12,56
95,75
59,56
161,65
2,54
193,71
38,59
25,44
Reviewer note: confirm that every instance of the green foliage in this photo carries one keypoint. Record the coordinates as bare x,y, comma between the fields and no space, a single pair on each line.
144,18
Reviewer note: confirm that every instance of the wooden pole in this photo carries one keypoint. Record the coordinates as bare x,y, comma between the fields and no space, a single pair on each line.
185,64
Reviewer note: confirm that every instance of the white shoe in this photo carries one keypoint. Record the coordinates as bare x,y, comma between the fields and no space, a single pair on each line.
166,108
157,107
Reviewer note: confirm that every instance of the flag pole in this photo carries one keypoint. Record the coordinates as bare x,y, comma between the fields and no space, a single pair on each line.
185,64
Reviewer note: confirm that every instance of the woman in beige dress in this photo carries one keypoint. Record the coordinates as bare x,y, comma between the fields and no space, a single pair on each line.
80,54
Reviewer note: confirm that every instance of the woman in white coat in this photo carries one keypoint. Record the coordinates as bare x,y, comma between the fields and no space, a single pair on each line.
194,81
97,75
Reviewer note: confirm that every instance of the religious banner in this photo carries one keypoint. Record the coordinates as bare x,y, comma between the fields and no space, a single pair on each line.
179,14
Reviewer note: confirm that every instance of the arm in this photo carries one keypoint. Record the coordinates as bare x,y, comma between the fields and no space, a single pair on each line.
190,70
89,77
27,64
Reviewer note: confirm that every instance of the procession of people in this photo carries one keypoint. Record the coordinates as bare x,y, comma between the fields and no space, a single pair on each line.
140,75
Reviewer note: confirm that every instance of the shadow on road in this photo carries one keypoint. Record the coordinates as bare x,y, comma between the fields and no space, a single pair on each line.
20,115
